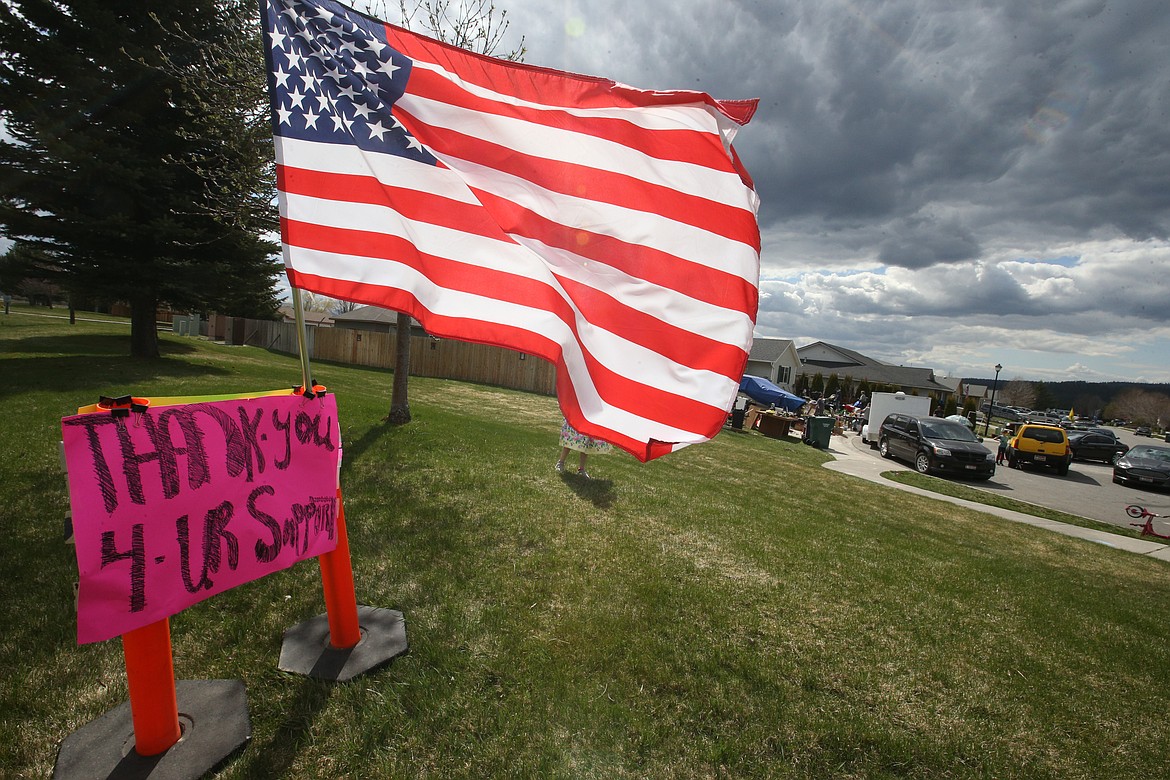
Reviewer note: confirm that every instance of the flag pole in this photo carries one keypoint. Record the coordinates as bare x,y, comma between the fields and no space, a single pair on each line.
302,340
336,567
348,639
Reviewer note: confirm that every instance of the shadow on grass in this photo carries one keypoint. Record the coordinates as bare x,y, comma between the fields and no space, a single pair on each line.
351,451
276,757
598,491
84,372
90,344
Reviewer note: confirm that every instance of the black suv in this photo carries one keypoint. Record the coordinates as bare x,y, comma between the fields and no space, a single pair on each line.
933,444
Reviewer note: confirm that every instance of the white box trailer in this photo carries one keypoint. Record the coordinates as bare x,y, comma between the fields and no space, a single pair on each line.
881,405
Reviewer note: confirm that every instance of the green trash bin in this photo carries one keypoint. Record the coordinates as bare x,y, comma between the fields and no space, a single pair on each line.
817,431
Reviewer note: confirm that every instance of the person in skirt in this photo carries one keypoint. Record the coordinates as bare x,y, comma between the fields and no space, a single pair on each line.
584,446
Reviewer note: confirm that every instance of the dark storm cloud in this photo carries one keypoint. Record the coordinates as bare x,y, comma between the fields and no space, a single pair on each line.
908,154
1055,115
920,243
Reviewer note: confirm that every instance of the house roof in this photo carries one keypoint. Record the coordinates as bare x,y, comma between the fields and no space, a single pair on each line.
311,317
769,349
860,367
953,382
369,314
849,357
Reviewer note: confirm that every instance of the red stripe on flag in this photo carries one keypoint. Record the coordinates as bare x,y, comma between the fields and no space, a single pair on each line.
680,145
552,87
410,203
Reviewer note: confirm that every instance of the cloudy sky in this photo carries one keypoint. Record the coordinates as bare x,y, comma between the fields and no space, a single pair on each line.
943,184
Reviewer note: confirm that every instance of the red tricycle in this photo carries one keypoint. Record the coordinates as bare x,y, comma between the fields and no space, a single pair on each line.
1133,510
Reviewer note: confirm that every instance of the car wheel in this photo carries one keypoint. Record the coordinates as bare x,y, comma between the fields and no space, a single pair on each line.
1116,457
1013,462
922,463
1062,469
884,447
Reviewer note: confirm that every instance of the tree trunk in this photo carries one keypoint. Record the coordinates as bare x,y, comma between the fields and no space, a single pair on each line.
399,403
143,328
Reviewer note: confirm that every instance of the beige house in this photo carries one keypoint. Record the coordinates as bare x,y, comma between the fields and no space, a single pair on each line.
775,360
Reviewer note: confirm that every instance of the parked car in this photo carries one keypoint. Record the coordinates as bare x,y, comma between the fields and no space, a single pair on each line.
1040,445
1006,412
1146,465
935,445
1087,445
1141,430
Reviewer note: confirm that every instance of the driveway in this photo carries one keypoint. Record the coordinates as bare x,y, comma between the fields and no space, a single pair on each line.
1087,490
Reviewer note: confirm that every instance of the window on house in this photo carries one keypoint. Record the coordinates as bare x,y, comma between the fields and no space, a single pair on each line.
785,375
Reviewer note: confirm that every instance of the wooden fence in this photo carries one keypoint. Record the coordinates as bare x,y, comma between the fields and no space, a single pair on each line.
430,357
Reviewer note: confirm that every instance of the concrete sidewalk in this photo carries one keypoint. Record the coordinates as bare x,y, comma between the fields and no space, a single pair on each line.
851,456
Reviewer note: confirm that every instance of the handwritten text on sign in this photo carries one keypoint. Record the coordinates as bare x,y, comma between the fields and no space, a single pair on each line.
178,503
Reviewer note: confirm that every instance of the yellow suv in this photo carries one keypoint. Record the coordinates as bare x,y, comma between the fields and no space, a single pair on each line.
1042,445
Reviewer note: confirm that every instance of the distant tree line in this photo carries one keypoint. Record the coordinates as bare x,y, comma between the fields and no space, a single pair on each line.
1142,404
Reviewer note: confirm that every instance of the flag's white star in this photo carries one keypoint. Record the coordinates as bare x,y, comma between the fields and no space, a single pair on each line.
413,143
362,109
374,45
312,83
295,98
388,67
281,76
285,116
347,91
295,60
277,39
378,129
311,120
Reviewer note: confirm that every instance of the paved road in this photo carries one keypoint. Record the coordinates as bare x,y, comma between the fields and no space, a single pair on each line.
1088,490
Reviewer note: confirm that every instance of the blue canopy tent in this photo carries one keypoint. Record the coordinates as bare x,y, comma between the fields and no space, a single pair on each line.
761,390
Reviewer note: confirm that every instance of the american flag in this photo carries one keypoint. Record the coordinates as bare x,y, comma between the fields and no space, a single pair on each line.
607,229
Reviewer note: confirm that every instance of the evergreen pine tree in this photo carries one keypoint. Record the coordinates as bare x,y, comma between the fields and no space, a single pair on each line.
126,164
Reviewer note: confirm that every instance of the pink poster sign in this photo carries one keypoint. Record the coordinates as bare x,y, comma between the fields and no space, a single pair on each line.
175,504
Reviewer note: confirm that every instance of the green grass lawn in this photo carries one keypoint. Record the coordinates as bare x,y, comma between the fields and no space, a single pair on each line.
730,610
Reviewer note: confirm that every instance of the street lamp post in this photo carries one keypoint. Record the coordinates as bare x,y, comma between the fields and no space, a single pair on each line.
991,406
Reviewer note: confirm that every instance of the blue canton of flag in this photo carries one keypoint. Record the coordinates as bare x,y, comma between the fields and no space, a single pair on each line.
334,78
